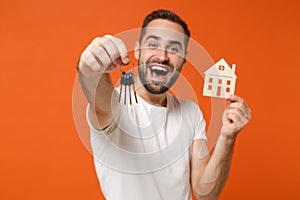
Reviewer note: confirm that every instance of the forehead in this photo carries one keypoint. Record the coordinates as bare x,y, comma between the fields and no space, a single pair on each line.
165,29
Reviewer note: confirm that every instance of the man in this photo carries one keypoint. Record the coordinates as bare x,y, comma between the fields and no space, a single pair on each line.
156,148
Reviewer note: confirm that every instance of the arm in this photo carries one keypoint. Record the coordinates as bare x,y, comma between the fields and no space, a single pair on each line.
102,56
209,175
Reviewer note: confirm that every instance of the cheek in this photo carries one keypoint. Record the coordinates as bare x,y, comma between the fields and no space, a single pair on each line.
177,62
145,55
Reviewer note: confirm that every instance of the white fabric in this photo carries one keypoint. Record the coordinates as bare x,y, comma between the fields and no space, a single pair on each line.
145,153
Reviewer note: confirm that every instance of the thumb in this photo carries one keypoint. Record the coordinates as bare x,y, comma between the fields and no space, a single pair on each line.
125,60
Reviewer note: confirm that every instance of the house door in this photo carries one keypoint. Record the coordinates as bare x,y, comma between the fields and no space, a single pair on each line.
219,91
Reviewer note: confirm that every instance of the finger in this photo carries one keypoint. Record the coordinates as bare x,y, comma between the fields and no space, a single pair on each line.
238,113
239,106
109,47
235,98
89,59
235,119
101,56
122,50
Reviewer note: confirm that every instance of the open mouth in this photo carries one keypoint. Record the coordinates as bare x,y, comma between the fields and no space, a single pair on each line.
159,73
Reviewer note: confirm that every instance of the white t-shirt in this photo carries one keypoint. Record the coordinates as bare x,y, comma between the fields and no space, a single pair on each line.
145,153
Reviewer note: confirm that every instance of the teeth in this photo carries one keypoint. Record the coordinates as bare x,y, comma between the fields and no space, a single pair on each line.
158,68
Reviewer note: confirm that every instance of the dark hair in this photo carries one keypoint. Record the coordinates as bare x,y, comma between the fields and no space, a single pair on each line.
168,15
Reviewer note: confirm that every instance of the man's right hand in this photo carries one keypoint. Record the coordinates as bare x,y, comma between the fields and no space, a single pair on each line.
103,55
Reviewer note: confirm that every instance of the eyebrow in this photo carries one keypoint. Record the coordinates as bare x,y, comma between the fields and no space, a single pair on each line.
159,38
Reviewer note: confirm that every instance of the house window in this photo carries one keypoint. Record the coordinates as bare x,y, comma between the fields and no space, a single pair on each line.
228,82
209,87
221,67
220,81
228,89
210,80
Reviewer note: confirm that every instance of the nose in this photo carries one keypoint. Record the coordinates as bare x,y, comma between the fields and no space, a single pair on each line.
162,55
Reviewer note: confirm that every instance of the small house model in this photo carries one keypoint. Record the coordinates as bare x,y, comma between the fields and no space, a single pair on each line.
220,80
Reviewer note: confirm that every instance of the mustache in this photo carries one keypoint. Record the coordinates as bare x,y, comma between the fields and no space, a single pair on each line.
167,63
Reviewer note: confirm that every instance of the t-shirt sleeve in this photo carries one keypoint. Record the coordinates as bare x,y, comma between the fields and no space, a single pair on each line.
106,130
199,124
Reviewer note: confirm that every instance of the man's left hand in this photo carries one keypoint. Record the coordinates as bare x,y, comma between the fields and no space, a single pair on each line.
237,116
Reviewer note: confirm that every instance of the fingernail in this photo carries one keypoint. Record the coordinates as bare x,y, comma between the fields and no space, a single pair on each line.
126,60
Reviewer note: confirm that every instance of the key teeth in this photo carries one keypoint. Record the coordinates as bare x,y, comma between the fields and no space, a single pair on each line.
130,95
134,92
120,93
125,95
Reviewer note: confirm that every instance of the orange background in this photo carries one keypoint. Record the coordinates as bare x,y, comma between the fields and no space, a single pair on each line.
41,155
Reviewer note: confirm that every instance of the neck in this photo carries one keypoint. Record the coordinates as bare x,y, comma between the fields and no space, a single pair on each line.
153,99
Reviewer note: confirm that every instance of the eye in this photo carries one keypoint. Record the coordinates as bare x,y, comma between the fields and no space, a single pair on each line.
173,49
152,45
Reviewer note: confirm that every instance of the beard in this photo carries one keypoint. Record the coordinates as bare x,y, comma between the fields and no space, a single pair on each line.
153,86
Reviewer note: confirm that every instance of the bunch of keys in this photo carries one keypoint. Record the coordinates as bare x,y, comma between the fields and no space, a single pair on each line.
127,79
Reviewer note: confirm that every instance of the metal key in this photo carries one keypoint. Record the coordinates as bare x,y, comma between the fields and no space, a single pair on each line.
127,79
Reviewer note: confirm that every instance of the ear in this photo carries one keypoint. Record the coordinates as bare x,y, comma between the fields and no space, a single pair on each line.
185,57
137,50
